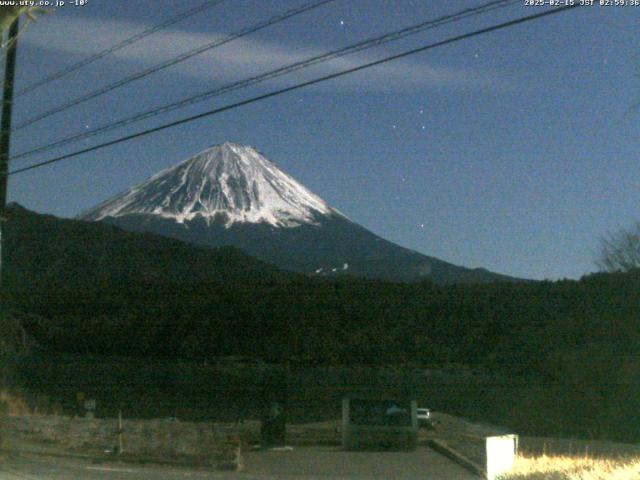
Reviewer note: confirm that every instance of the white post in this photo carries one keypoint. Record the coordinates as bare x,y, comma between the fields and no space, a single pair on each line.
501,453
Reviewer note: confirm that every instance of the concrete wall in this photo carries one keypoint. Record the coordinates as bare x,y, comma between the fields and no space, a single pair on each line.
150,438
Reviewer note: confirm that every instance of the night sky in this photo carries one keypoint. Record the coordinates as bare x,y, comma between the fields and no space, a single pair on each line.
514,151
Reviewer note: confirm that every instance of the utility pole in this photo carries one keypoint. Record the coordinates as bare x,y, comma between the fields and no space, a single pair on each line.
5,126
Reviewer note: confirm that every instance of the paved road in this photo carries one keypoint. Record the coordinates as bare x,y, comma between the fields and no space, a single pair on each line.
301,463
332,462
30,467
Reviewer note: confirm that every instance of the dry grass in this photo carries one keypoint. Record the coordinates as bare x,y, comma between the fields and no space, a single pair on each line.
574,467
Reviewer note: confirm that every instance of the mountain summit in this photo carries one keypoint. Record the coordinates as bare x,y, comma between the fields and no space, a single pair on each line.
228,182
232,195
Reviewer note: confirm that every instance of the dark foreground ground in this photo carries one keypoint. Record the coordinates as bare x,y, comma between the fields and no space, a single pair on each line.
299,463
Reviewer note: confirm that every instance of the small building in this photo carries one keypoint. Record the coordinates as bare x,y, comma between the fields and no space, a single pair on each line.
370,422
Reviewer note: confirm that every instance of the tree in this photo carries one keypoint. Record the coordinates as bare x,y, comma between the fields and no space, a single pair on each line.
10,13
620,250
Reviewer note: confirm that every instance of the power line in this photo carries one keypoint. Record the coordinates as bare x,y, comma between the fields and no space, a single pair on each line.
175,60
118,46
365,44
298,86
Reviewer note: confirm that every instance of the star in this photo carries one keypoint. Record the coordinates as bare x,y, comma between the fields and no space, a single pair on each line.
341,22
394,126
421,112
422,225
424,127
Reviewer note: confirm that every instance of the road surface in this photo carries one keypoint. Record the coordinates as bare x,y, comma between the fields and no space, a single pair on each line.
300,463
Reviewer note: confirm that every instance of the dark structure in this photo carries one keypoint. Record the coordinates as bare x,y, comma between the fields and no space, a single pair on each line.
375,422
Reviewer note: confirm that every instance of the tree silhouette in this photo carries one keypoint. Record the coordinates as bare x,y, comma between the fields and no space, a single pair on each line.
620,250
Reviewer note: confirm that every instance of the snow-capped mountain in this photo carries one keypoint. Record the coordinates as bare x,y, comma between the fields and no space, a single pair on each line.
229,182
232,195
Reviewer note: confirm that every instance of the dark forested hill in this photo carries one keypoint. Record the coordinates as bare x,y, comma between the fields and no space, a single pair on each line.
100,289
41,248
92,289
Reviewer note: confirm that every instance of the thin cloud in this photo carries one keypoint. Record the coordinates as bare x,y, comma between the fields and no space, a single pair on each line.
245,57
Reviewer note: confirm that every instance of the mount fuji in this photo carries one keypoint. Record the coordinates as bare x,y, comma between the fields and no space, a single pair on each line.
232,195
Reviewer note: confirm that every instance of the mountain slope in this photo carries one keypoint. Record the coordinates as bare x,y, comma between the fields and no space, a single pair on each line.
230,182
39,249
232,195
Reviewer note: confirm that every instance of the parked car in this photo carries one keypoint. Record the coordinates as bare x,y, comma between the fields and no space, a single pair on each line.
424,417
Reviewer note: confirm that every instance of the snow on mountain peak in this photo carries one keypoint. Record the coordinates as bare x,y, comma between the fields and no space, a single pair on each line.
230,181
